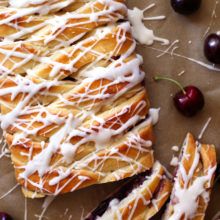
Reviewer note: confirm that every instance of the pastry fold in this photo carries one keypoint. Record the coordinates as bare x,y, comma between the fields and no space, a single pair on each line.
140,198
193,181
74,109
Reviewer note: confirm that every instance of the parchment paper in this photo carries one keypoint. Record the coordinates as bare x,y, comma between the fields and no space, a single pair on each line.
172,127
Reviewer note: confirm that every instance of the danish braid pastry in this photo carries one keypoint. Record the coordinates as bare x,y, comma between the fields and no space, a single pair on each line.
74,110
193,181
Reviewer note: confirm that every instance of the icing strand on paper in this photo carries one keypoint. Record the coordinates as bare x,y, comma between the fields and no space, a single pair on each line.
205,65
204,128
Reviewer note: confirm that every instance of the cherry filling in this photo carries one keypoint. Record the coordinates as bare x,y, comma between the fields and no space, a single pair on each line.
119,195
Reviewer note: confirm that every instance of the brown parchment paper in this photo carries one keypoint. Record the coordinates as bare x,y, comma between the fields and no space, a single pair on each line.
171,128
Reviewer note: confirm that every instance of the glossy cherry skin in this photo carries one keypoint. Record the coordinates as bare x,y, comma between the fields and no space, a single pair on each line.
5,216
185,6
189,103
212,48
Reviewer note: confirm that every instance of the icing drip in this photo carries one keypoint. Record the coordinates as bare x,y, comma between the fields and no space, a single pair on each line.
140,31
154,113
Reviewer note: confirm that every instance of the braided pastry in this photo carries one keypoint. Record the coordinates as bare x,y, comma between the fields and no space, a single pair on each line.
140,198
73,106
193,181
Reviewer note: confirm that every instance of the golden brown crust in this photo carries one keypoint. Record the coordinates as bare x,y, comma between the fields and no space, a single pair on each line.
125,162
141,198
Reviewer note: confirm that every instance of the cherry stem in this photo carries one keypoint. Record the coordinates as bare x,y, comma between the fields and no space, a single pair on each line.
157,78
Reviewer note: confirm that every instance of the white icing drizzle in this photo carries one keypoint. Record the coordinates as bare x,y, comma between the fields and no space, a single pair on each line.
205,65
9,191
25,209
139,30
154,113
204,128
4,149
170,47
53,26
187,189
141,193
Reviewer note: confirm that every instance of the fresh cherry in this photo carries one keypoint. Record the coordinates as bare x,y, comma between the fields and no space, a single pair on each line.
189,100
5,216
185,6
212,48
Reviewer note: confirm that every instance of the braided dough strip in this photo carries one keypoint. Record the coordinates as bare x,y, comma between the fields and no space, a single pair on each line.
140,198
193,181
48,31
129,155
19,57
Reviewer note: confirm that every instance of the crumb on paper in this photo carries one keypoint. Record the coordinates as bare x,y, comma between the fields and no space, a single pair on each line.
204,128
181,73
174,162
175,148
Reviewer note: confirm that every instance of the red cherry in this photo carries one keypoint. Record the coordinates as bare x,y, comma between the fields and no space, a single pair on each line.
212,48
5,216
189,100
